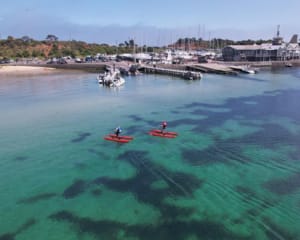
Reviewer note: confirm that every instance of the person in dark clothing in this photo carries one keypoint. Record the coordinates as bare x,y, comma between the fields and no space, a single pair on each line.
118,130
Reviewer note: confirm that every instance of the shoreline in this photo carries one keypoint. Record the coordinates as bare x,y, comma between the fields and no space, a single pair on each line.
42,69
32,70
26,70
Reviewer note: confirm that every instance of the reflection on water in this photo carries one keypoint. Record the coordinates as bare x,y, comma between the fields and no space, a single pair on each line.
232,173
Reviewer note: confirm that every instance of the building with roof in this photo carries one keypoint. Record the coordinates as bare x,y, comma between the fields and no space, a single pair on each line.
275,51
264,52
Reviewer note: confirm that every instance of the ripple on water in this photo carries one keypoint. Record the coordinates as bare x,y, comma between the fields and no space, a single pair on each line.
284,186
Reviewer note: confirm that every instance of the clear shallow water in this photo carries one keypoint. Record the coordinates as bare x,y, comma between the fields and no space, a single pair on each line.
232,173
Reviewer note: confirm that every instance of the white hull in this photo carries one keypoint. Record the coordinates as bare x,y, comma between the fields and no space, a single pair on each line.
111,79
249,71
117,83
243,69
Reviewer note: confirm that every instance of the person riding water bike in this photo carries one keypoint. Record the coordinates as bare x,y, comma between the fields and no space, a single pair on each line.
163,126
118,130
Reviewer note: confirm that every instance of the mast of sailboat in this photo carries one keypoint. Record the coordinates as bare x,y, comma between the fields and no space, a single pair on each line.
133,52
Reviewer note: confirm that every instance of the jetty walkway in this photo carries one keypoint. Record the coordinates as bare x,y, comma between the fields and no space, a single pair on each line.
186,74
195,68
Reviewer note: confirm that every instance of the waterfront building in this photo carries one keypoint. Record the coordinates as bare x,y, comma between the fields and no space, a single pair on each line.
275,51
264,52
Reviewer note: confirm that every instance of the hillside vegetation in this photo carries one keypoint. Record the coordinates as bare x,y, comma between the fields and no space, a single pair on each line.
26,47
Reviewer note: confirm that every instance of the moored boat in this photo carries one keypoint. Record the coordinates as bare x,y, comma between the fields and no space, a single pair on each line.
111,78
288,64
244,69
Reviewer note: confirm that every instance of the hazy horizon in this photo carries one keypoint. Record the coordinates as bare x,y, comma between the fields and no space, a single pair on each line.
155,23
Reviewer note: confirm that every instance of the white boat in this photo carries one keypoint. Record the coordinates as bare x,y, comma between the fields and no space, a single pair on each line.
288,64
117,82
111,79
248,70
243,69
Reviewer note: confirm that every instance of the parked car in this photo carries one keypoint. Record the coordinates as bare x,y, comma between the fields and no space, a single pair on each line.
62,61
78,60
6,61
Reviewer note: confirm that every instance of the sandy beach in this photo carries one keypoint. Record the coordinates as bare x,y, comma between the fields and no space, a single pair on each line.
25,70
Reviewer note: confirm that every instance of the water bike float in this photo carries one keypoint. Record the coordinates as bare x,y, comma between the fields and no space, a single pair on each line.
164,134
120,139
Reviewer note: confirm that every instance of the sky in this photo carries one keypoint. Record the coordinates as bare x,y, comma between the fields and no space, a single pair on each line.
153,23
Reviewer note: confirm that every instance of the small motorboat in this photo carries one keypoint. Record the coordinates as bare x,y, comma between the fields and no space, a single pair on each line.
111,78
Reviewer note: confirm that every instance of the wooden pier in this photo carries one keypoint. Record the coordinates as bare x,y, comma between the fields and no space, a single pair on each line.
189,75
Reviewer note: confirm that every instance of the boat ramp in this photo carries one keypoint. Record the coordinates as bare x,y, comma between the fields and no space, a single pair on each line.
212,68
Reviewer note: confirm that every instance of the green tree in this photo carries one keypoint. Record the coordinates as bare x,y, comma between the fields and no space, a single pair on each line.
51,38
131,43
36,53
26,39
10,38
54,51
25,54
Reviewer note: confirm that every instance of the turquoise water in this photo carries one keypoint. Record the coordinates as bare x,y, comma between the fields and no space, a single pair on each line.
232,173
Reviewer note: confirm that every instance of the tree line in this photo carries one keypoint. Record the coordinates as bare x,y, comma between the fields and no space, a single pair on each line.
51,46
215,43
26,47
